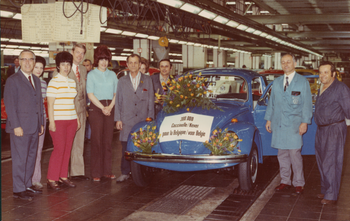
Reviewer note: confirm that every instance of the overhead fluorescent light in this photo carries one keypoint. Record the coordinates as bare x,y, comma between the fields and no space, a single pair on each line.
12,46
242,27
210,46
17,16
128,33
264,12
35,48
24,47
215,47
197,45
257,32
221,19
102,29
4,39
190,43
140,35
274,39
269,37
207,14
127,49
230,3
125,54
263,34
182,42
173,3
232,24
191,8
153,37
113,31
118,58
6,14
15,40
250,30
112,49
173,41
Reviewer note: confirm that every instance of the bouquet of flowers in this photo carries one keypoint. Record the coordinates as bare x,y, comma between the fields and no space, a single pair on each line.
185,92
145,139
222,142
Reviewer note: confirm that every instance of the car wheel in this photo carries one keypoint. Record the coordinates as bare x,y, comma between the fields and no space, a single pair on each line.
248,170
140,174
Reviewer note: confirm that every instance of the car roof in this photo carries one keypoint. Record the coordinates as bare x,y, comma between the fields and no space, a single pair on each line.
245,73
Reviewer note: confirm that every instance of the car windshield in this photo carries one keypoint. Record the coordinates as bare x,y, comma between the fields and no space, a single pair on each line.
227,87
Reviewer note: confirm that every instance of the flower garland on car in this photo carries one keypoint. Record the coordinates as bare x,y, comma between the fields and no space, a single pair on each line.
185,92
145,140
222,142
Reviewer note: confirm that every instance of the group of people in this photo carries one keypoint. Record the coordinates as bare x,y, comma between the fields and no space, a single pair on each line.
126,101
288,114
131,99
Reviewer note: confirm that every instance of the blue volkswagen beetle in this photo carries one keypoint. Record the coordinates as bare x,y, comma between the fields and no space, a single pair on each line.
240,98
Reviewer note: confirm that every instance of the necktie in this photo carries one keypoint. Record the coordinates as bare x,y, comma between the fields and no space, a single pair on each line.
30,80
77,74
286,85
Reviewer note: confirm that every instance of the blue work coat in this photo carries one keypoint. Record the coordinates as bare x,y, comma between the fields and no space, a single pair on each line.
287,110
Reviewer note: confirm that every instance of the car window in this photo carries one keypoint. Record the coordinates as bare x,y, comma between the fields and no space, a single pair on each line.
227,87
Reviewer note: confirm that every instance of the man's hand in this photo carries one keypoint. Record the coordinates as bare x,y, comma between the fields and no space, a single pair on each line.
18,131
268,126
302,128
42,130
119,125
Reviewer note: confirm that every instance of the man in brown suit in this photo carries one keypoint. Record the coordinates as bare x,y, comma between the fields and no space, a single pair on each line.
78,73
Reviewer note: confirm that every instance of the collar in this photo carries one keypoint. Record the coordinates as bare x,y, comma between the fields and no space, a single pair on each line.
27,75
74,67
137,76
60,76
162,79
290,77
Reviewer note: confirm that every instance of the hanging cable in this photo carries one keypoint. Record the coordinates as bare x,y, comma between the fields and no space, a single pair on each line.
77,10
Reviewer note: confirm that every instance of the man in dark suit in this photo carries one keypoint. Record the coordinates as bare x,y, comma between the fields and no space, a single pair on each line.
13,69
134,102
24,109
165,67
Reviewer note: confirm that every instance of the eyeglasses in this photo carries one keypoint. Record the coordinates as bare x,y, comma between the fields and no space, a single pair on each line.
27,59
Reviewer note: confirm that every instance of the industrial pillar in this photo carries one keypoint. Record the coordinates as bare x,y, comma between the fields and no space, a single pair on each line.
267,62
278,61
219,58
194,57
243,59
142,48
256,62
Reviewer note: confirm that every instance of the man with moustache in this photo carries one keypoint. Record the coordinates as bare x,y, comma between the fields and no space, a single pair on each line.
331,108
288,113
134,103
165,67
24,107
78,74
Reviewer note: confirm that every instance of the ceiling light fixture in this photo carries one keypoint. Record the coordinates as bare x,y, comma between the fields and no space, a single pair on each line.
17,16
140,35
6,14
191,8
153,37
113,31
173,3
128,33
242,27
207,14
221,19
232,24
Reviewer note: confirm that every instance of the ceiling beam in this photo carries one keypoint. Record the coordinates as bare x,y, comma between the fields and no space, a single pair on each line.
325,42
301,19
318,34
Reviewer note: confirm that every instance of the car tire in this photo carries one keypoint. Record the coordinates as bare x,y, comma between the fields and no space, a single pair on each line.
248,170
140,174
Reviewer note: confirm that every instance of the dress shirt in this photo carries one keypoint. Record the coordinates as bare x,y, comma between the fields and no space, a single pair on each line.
135,81
27,76
163,79
290,78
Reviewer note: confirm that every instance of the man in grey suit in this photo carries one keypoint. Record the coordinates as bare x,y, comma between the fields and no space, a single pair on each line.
24,108
79,75
134,103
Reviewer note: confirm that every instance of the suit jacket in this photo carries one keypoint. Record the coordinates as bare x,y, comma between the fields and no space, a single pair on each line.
131,106
158,88
287,110
80,99
24,105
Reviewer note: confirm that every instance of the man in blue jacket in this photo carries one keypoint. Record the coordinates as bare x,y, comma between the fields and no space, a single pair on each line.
288,113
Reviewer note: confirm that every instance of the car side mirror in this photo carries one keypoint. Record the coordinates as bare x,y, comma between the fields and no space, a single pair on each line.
262,101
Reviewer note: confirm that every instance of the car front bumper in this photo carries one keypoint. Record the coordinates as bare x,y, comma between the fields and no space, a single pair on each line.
173,158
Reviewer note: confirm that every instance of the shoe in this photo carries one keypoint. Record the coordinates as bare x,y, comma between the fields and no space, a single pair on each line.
38,185
282,186
110,177
324,201
53,185
320,196
34,190
67,182
96,179
299,189
79,178
23,196
122,178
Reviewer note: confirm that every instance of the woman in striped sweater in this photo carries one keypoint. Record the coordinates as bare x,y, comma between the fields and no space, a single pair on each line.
63,121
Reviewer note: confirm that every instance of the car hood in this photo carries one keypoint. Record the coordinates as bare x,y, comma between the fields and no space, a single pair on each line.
221,119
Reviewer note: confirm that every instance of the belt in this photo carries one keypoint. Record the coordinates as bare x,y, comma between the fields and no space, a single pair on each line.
105,102
331,124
